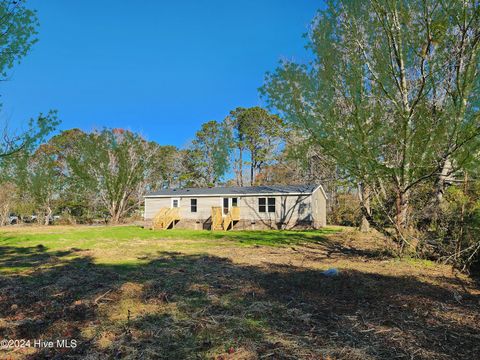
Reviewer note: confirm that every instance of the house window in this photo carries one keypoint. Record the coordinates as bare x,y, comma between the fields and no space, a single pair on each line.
234,202
193,205
262,205
175,202
271,205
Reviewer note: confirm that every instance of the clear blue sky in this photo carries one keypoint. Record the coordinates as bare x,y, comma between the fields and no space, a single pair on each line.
161,68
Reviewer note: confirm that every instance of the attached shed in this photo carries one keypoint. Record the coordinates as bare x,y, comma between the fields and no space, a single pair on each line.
253,208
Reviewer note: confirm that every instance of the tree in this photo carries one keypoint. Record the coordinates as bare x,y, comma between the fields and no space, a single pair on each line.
299,162
13,141
37,179
257,132
18,26
44,181
77,201
190,174
391,95
168,169
8,193
117,165
211,148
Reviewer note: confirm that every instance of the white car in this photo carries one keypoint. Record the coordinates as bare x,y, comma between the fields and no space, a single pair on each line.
12,219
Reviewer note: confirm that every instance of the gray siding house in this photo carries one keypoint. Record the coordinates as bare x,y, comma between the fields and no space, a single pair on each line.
242,208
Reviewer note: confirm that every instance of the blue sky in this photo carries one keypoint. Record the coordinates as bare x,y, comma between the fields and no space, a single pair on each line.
160,68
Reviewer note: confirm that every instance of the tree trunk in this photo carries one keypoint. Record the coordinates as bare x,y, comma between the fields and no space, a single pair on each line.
364,194
458,245
113,213
365,225
115,218
440,189
48,214
252,172
4,213
401,217
240,167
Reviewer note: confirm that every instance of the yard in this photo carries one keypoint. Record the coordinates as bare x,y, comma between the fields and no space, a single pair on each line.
128,292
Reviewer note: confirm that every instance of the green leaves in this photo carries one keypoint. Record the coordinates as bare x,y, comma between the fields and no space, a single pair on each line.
38,129
211,149
258,132
18,29
18,32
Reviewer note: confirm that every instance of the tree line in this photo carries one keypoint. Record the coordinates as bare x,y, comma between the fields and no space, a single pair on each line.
103,174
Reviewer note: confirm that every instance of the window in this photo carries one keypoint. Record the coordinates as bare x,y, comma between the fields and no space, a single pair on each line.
175,202
271,205
262,205
234,202
193,205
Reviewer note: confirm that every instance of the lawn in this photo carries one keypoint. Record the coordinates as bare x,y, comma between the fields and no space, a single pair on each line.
128,292
134,245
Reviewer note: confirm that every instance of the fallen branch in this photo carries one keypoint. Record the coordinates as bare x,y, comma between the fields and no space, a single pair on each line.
101,297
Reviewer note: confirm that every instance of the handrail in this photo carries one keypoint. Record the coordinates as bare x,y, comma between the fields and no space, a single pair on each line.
165,217
226,221
216,217
235,213
223,223
158,219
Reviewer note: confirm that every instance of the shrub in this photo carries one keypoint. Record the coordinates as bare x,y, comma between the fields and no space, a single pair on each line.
345,211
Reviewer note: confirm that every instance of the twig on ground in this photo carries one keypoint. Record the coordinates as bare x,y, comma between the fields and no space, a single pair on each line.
101,297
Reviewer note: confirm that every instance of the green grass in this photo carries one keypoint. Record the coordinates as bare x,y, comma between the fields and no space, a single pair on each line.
421,263
85,235
131,245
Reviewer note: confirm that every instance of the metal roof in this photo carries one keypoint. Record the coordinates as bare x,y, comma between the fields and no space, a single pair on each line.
237,190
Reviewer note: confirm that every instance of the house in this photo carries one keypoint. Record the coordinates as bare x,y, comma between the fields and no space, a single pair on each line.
242,208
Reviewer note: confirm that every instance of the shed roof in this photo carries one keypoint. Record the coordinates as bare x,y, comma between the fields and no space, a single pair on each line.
238,190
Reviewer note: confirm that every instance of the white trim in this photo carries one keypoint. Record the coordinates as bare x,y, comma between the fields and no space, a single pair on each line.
234,195
222,205
323,191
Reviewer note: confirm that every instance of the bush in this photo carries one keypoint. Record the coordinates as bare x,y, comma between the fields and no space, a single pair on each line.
455,236
345,211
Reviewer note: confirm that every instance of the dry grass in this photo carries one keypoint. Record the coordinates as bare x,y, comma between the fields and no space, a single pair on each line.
226,299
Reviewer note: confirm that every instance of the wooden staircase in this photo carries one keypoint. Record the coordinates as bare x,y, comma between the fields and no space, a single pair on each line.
224,223
165,218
